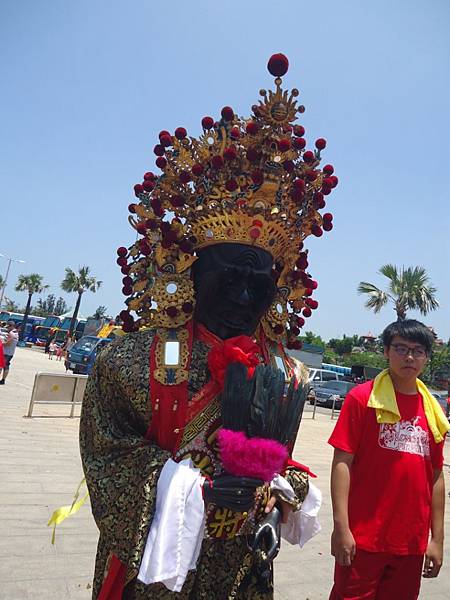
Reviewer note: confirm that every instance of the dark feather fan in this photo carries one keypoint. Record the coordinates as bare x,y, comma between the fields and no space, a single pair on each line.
266,402
237,393
257,405
291,412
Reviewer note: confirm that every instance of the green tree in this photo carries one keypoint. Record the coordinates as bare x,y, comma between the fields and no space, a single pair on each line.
438,365
311,338
31,284
79,282
344,345
408,289
50,306
60,307
365,359
100,312
10,305
330,357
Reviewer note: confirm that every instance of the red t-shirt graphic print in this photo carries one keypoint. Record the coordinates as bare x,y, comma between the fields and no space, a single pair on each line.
392,473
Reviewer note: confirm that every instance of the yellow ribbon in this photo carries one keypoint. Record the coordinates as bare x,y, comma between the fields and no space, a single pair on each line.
61,513
383,400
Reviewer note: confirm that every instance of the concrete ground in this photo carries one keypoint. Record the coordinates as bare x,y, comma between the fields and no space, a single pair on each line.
40,470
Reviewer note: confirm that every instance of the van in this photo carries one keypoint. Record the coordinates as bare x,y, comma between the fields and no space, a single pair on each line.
320,375
82,355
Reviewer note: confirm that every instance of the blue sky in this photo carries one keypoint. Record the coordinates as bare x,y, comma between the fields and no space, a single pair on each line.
86,86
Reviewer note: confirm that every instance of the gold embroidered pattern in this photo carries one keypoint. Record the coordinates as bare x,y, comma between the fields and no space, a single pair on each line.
225,523
198,425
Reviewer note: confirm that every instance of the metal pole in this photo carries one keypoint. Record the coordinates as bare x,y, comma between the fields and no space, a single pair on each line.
72,409
315,406
4,283
10,260
30,408
332,409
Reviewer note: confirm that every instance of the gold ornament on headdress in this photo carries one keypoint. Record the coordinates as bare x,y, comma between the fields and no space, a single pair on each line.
247,181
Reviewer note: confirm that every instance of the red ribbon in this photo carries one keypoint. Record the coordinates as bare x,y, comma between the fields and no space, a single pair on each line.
293,463
114,582
238,349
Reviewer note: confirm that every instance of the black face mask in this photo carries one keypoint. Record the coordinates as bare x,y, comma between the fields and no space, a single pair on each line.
234,288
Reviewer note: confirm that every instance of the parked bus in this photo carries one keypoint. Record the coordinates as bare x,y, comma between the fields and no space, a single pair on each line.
363,373
46,329
79,330
337,369
6,315
62,330
30,328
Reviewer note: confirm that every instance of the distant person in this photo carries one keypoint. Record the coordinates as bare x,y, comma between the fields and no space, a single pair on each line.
387,486
59,352
9,347
3,331
69,343
50,338
52,349
2,355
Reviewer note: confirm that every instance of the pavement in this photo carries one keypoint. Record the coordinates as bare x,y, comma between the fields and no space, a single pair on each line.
40,470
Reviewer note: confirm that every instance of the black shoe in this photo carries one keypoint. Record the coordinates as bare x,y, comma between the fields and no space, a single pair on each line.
2,382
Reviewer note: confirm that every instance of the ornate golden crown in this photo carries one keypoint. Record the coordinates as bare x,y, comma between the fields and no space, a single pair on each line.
249,181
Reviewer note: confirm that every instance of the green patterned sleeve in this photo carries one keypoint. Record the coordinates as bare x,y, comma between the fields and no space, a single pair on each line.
299,481
120,466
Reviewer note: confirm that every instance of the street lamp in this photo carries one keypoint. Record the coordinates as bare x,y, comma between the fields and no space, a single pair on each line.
10,260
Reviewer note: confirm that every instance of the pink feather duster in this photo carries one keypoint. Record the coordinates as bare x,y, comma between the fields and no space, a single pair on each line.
251,457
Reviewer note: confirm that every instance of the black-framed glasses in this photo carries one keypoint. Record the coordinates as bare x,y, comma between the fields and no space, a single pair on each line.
403,350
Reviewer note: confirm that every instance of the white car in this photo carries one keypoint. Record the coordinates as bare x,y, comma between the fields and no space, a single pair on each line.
320,375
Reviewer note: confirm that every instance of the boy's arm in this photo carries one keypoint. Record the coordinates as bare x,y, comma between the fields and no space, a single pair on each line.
435,549
343,545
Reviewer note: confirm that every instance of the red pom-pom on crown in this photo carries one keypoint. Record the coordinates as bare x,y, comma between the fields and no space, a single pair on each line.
278,65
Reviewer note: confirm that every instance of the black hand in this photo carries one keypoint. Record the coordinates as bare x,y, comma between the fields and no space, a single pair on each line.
268,534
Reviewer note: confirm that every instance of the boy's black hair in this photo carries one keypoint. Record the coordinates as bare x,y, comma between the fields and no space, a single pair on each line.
411,330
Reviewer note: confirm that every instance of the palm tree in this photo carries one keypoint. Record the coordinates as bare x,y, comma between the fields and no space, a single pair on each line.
10,305
100,312
32,284
79,282
408,289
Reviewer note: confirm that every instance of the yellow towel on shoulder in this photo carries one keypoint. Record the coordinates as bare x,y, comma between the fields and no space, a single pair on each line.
383,400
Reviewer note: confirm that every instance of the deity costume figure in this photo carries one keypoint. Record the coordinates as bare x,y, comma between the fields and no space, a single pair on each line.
218,276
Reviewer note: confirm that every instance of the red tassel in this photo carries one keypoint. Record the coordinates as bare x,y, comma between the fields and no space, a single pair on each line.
114,582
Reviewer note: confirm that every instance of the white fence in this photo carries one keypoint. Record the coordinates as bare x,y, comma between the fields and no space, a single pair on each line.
57,388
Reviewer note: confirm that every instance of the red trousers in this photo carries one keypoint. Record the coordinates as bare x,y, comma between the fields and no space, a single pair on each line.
378,576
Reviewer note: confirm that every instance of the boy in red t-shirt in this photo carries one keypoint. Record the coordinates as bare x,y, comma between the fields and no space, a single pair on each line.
387,485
